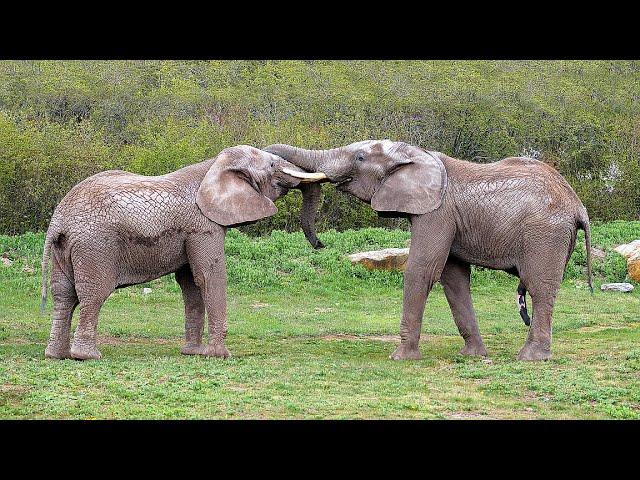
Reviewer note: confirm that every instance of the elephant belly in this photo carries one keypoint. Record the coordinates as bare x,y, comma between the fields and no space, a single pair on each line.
145,259
494,261
487,248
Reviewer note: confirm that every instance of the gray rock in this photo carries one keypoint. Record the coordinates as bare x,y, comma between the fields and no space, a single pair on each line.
387,259
617,287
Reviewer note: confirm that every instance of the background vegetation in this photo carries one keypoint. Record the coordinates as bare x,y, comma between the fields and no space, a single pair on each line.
61,121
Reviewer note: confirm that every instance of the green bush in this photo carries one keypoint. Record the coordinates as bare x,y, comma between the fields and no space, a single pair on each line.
61,121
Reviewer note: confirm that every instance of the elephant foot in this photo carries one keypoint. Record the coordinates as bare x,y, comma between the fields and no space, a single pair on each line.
534,352
192,349
215,350
405,352
56,352
85,353
474,349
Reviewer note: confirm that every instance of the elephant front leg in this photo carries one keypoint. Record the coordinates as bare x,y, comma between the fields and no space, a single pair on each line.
455,281
416,291
206,258
194,312
216,303
431,237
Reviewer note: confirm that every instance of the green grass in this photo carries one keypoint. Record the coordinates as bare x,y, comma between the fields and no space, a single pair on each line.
310,335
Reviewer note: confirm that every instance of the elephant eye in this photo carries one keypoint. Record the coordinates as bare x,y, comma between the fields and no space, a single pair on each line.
273,164
359,157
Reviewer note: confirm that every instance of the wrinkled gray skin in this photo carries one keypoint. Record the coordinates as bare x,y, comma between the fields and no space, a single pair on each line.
518,215
116,229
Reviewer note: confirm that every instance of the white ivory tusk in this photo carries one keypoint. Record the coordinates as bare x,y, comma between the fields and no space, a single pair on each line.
306,177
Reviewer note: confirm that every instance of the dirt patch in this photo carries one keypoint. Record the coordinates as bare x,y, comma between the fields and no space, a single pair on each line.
259,305
600,328
322,310
109,340
468,416
17,341
378,338
12,394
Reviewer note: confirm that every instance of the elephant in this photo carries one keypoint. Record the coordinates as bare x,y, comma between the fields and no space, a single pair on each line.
518,215
116,229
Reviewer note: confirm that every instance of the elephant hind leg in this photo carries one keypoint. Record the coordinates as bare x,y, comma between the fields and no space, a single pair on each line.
542,279
96,278
455,280
65,301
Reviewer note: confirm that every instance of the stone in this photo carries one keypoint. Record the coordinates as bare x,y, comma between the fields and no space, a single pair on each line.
387,259
597,253
617,287
6,261
631,251
146,291
633,267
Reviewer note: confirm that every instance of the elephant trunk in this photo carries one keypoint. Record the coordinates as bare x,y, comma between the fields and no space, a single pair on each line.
310,160
311,195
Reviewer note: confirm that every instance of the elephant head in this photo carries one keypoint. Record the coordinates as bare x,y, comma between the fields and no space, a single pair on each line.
243,183
391,176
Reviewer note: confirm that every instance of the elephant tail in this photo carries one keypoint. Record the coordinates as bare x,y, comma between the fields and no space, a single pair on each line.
52,234
46,256
583,223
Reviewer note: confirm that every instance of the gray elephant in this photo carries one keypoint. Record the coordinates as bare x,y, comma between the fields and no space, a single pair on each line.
116,229
518,215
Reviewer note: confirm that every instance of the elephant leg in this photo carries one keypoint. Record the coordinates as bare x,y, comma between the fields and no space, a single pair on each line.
455,280
194,310
206,257
65,301
96,279
542,281
431,237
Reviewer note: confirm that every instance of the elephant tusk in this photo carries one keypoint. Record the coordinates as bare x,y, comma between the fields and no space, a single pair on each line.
306,177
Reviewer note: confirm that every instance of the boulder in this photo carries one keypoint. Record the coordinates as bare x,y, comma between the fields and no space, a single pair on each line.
387,259
617,287
633,267
628,249
631,251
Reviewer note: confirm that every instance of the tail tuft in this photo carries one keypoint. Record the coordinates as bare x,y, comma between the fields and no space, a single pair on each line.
583,223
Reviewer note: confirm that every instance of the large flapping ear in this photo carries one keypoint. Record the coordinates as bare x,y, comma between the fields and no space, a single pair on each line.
416,186
227,196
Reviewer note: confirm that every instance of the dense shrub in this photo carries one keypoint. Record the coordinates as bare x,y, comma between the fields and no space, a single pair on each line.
61,121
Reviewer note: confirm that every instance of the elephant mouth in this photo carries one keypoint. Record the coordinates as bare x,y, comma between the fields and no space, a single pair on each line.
342,183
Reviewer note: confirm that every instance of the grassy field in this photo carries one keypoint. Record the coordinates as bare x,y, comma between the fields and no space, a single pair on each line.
310,337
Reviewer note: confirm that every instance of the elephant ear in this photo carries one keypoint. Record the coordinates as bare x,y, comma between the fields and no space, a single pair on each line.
228,196
416,186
